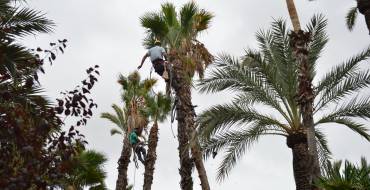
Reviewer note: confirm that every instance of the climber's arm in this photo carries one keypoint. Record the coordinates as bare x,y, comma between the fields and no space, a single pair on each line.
143,60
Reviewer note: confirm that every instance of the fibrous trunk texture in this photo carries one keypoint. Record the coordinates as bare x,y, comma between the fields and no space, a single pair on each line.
364,8
184,112
123,163
198,159
306,97
151,157
185,118
298,143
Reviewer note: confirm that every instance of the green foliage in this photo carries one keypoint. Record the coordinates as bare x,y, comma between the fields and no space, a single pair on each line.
178,32
267,78
351,18
119,119
157,107
87,171
351,177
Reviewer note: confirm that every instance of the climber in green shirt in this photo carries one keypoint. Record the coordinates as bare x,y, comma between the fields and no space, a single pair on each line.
137,145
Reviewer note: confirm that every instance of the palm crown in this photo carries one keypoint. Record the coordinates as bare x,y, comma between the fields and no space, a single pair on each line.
178,32
351,177
269,78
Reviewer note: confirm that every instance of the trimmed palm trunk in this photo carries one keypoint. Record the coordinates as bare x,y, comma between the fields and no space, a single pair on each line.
298,143
306,97
299,41
123,163
198,159
185,118
151,157
364,8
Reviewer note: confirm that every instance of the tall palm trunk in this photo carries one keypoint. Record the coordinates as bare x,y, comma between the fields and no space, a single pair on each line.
299,41
151,157
185,117
198,159
364,8
298,143
123,163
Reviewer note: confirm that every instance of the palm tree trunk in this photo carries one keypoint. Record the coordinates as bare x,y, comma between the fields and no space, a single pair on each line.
123,163
364,8
198,159
298,143
293,15
185,117
299,41
151,157
306,97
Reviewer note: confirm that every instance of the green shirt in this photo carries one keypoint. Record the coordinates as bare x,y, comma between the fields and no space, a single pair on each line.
133,138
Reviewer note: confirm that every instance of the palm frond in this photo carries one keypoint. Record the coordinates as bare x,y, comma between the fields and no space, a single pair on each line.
340,73
203,19
351,18
235,143
353,83
348,122
112,118
154,23
115,131
319,38
170,14
221,117
323,149
26,21
187,20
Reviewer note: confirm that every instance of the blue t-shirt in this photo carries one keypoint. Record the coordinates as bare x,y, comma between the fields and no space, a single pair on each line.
156,52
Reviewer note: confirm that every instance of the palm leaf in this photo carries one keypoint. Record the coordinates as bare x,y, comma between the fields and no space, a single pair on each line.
351,18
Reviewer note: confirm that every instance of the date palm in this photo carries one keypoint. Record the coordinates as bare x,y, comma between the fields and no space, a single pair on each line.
134,91
363,6
351,177
17,22
267,79
158,108
178,32
300,41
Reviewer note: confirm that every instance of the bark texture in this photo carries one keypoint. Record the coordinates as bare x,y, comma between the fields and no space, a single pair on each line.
298,143
151,157
198,159
123,163
185,114
306,97
364,8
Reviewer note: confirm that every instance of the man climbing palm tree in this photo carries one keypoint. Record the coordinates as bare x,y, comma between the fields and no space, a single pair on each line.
137,145
156,54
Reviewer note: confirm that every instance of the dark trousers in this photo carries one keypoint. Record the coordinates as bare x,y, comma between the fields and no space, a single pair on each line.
140,152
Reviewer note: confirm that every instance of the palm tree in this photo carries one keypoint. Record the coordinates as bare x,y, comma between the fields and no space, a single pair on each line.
129,117
87,172
268,78
352,177
300,41
120,120
178,32
363,6
17,22
158,108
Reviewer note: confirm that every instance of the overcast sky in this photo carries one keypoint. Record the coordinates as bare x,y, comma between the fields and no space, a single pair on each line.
108,33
